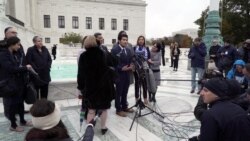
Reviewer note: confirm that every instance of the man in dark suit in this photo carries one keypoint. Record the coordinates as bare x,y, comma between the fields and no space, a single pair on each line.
123,69
100,39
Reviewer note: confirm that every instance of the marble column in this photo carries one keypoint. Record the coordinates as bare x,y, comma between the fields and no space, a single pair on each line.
212,29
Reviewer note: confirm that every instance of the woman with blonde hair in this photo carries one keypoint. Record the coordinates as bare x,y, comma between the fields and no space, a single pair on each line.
92,72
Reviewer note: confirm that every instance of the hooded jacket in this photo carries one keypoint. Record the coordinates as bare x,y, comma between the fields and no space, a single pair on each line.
233,74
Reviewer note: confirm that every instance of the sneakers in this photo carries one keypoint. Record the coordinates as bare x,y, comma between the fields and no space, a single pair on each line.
192,91
121,114
129,110
17,129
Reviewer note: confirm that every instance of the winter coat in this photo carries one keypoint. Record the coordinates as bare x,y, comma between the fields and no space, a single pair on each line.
240,77
197,56
178,53
244,54
222,121
200,108
243,102
53,52
41,63
95,80
229,57
10,68
156,58
213,51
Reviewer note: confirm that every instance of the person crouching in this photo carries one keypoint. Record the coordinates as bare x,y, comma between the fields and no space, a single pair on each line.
46,119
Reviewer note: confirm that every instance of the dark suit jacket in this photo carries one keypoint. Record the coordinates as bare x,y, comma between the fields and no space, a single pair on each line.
40,61
124,59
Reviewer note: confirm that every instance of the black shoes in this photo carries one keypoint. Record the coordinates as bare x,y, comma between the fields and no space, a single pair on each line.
152,97
104,131
192,91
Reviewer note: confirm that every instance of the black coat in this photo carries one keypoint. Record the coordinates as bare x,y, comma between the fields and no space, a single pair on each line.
10,68
95,80
200,108
41,63
229,57
197,55
178,53
216,123
213,51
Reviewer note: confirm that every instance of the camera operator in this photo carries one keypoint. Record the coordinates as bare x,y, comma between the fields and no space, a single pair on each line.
141,50
245,51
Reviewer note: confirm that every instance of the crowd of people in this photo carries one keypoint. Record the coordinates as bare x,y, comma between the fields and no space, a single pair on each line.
224,104
15,69
106,75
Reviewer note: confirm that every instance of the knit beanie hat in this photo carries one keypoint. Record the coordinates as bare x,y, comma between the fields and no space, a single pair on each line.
223,88
217,86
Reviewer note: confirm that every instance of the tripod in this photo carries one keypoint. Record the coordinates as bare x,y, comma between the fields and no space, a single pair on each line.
139,104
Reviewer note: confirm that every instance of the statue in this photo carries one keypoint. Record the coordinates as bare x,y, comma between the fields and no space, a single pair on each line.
213,21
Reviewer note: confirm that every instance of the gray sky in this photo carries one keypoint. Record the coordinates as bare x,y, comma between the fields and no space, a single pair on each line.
166,16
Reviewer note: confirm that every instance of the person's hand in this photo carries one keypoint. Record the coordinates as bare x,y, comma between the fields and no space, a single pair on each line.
150,61
222,54
125,68
28,67
132,67
93,122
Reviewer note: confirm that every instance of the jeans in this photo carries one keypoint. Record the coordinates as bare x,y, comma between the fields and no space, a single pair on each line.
200,72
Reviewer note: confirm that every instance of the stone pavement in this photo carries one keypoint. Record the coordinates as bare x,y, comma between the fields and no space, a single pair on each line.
173,101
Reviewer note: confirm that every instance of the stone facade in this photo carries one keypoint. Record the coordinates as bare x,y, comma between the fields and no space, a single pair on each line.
32,13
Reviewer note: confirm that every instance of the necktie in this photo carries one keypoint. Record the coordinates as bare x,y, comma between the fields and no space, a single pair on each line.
124,51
